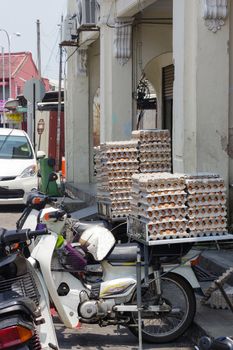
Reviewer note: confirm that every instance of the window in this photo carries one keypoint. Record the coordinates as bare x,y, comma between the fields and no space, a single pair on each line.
16,147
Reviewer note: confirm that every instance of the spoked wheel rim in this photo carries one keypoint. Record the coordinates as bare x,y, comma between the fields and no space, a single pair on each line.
167,325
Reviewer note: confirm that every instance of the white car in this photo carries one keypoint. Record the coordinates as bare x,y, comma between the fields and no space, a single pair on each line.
18,166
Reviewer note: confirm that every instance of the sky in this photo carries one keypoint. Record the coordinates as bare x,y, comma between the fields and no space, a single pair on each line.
20,16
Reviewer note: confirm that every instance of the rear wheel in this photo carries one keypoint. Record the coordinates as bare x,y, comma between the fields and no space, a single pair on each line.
163,327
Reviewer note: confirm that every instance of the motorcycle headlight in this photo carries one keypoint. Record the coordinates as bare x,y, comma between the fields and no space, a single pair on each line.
29,171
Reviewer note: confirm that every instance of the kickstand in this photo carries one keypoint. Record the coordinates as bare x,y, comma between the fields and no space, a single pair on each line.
139,299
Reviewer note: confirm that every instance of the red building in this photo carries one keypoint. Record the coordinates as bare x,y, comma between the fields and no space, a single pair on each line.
22,68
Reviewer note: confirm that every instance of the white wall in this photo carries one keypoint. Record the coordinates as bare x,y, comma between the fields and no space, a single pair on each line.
230,142
200,134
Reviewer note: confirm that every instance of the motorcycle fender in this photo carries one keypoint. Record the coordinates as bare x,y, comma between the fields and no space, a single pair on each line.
187,273
46,331
66,305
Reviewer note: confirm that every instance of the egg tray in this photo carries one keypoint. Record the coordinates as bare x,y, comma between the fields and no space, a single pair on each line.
120,196
119,146
106,212
141,230
205,186
166,199
206,211
212,199
208,224
151,167
119,165
151,135
157,182
160,214
158,147
208,233
155,157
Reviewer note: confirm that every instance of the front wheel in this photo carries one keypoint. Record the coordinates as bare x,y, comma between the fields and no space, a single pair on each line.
163,327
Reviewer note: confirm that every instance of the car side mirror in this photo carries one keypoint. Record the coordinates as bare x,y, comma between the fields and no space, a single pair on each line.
40,154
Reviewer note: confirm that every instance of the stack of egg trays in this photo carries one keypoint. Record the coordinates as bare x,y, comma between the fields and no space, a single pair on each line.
117,162
159,201
206,201
154,150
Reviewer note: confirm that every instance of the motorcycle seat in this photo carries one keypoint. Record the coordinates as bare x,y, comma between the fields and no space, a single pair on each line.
124,252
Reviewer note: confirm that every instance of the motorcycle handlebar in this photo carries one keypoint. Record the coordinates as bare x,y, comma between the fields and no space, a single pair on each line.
19,236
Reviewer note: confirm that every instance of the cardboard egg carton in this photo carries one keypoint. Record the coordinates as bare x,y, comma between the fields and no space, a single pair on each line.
158,182
206,211
205,185
120,174
212,199
129,152
116,185
155,157
120,205
158,227
120,196
151,135
119,146
121,165
150,167
208,224
169,234
207,232
158,147
162,214
123,214
122,156
157,199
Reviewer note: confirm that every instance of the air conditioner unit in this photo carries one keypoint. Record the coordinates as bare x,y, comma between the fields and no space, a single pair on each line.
87,12
69,29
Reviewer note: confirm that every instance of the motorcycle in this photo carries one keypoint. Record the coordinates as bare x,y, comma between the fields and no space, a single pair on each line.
21,305
168,300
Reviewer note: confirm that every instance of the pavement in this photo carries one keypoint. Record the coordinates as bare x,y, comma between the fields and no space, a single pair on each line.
92,337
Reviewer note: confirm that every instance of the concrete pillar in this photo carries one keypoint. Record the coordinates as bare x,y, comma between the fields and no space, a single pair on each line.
200,134
115,85
230,147
77,124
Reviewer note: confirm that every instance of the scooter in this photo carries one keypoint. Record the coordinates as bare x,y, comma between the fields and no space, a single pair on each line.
20,301
168,300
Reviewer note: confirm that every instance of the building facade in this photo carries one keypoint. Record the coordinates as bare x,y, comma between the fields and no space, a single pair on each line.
184,49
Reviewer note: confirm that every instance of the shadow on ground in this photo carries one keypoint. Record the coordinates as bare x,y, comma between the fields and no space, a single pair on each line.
94,337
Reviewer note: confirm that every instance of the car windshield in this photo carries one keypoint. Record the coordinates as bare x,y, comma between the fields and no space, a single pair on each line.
17,147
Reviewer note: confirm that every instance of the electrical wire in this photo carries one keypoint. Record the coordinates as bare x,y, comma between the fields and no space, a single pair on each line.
72,54
51,53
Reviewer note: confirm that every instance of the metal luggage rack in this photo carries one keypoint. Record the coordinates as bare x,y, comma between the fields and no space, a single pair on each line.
105,213
138,230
